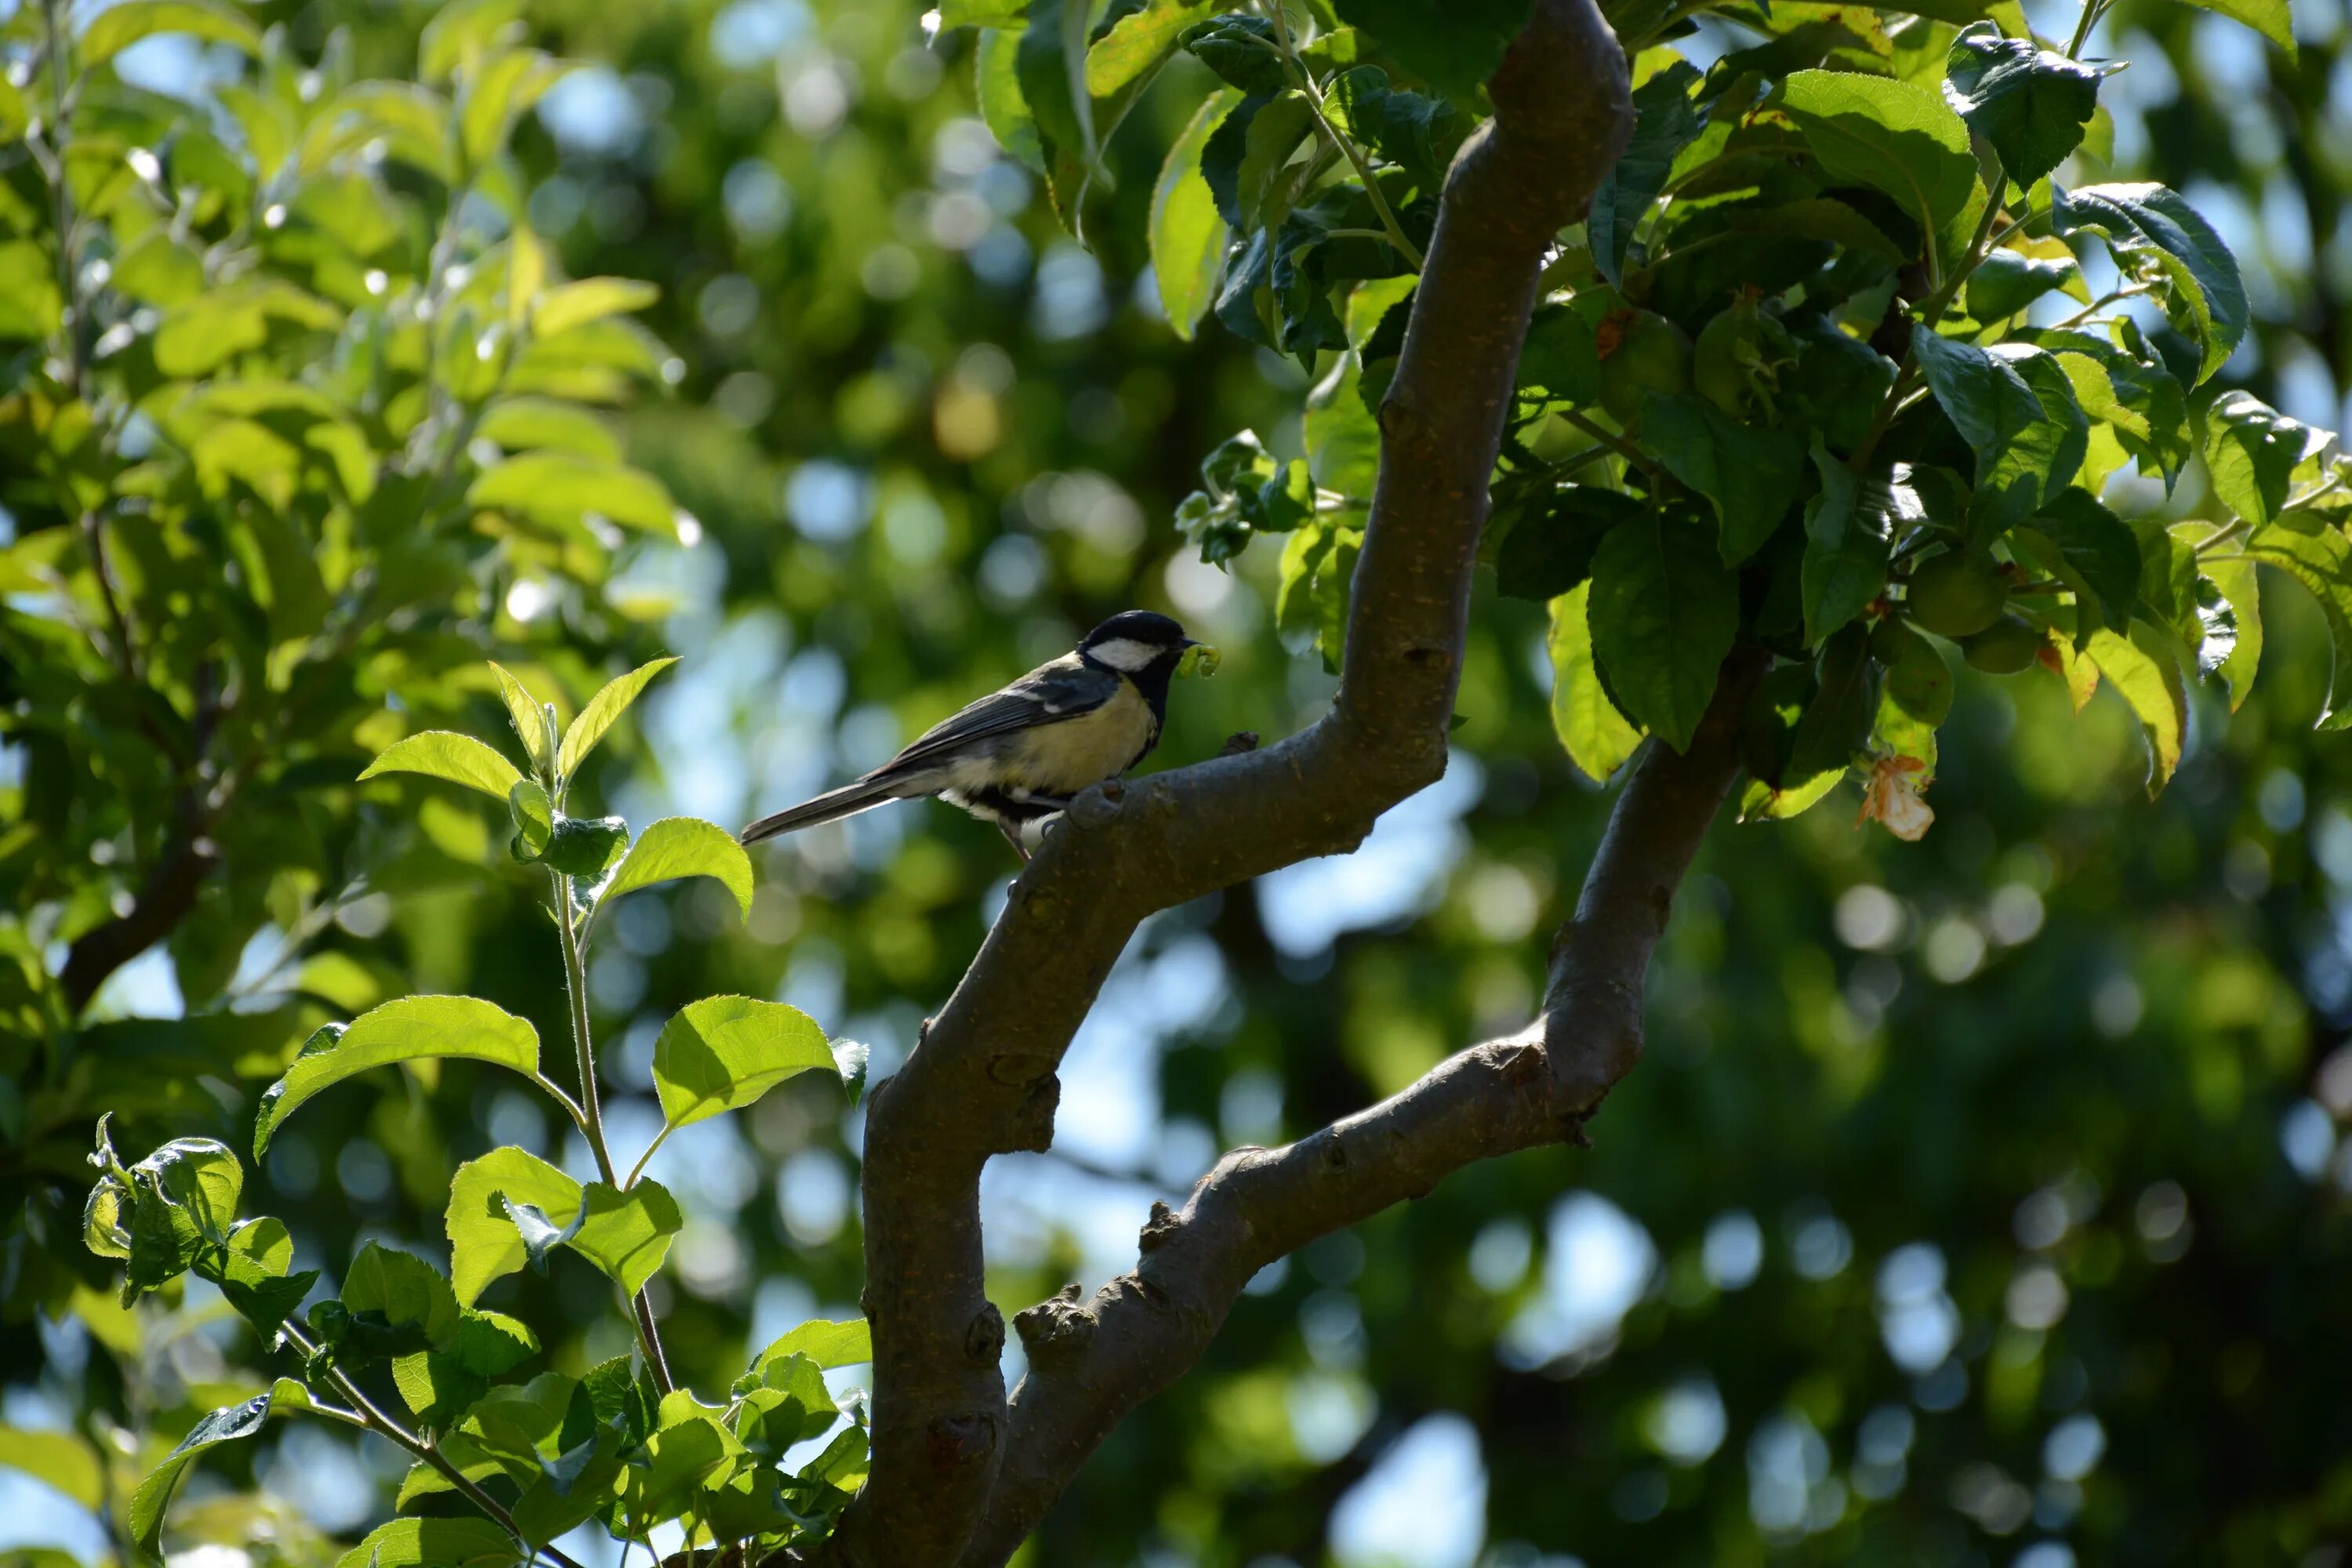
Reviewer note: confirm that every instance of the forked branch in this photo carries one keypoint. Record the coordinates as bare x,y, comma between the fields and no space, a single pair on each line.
980,1081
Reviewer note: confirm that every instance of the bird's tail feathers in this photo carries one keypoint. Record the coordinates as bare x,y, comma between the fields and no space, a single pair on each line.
864,794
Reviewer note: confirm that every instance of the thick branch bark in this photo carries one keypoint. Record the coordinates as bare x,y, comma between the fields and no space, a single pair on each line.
1091,1364
980,1081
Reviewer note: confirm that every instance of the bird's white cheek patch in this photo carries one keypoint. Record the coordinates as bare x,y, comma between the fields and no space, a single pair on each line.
1124,653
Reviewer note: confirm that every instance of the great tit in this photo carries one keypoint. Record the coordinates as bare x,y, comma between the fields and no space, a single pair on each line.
1023,753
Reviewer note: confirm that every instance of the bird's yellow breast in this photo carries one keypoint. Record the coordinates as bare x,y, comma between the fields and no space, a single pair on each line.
1066,757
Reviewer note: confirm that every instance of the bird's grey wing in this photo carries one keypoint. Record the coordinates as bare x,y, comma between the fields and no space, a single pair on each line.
1061,689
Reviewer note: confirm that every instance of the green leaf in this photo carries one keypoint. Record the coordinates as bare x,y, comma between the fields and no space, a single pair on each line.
983,13
484,1243
2147,225
2240,586
534,821
1412,131
61,1460
1138,43
499,89
1004,107
567,305
2317,554
2138,399
145,1516
252,1274
461,1541
2026,451
1846,547
724,1052
460,32
560,489
1266,180
527,423
530,724
826,1343
442,755
2252,451
1899,138
684,846
2098,552
603,712
408,1292
2149,680
1241,50
1663,611
438,1384
1187,235
2007,281
1664,123
627,1234
1816,218
1837,722
30,305
117,27
2268,18
2030,103
585,845
412,1029
1748,473
1549,548
1456,46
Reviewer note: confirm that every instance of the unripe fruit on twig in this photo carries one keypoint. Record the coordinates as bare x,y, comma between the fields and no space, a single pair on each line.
1957,594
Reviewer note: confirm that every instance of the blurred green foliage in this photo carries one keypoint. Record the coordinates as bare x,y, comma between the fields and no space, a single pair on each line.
2061,1091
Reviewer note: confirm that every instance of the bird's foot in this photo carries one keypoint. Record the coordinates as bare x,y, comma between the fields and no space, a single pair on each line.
1013,836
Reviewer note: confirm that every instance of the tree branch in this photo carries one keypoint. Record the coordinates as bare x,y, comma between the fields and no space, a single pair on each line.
980,1080
1090,1363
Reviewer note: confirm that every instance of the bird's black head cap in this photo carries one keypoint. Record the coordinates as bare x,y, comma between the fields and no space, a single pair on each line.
1153,631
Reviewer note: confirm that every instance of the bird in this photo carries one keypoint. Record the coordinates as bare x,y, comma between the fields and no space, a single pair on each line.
1025,750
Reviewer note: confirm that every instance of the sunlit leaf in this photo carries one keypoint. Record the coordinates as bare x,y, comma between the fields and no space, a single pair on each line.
411,1028
724,1052
118,26
146,1515
442,754
684,846
2146,675
1899,138
567,305
627,1234
1187,235
2147,225
603,712
483,1241
2318,556
64,1461
1598,737
460,1542
2030,103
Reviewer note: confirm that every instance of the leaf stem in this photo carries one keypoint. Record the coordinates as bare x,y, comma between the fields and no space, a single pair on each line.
1347,146
2091,11
1931,310
592,1114
1611,440
639,1168
2112,296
